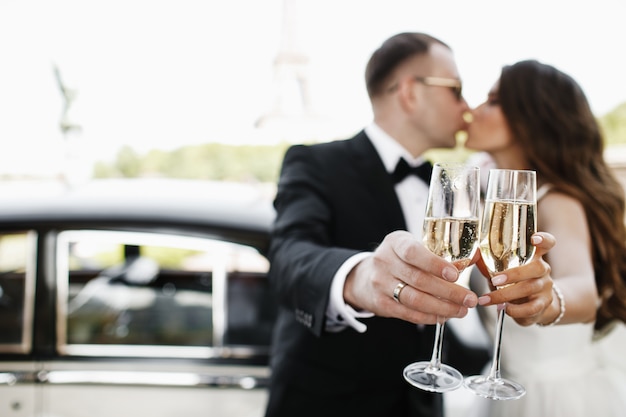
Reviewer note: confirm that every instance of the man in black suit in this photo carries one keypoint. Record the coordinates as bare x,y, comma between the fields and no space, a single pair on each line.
355,288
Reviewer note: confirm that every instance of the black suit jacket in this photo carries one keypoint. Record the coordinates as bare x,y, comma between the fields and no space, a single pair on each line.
335,200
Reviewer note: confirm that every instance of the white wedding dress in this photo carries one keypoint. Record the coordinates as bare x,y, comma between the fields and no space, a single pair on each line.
565,372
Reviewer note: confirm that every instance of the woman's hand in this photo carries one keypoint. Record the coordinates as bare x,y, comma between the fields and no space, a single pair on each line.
527,289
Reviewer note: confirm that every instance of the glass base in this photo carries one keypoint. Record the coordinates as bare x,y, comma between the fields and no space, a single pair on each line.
422,375
495,389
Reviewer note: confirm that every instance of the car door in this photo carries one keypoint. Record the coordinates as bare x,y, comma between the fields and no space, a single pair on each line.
157,324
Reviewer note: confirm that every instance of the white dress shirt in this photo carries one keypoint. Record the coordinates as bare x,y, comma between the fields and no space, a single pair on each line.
412,193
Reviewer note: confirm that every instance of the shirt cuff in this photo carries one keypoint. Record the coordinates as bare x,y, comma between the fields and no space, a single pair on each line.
340,315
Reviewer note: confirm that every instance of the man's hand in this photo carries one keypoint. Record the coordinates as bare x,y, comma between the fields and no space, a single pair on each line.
430,289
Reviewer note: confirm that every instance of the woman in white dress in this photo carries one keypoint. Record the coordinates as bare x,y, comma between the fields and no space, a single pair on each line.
537,117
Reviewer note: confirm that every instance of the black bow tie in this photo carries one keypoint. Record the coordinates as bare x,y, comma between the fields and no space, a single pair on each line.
423,171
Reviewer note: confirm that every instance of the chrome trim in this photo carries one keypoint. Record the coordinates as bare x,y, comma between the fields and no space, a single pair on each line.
17,377
15,347
179,379
62,285
220,276
8,378
219,302
148,351
29,302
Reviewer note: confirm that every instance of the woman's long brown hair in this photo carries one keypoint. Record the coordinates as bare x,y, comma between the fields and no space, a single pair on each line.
551,117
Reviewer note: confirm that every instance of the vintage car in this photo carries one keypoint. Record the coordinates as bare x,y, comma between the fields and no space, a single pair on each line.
134,297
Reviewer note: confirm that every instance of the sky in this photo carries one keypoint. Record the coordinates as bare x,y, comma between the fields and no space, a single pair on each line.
156,74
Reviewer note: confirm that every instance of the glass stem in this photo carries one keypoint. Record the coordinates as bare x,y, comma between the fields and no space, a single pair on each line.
435,360
494,373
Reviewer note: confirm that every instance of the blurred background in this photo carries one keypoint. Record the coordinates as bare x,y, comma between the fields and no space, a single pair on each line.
216,90
209,89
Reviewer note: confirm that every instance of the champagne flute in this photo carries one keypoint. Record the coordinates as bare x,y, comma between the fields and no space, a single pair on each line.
450,231
510,219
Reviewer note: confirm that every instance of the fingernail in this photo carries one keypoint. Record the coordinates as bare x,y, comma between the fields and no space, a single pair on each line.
485,299
470,301
450,274
498,280
537,239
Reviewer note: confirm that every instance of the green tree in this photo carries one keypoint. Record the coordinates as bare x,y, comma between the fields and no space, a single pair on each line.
216,161
209,162
613,125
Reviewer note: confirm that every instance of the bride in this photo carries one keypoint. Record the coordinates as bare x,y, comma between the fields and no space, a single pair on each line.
570,360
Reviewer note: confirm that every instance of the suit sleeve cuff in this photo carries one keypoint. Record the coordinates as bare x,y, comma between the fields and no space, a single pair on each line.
340,315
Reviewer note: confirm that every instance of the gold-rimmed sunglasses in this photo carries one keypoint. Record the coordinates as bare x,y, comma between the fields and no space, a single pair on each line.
452,83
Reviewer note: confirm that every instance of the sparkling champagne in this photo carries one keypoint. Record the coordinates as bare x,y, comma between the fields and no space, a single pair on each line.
509,221
453,239
506,232
450,232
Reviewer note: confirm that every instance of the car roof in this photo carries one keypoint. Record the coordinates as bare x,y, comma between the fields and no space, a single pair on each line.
150,202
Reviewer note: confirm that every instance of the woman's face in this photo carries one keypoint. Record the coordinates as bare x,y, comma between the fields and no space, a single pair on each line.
489,130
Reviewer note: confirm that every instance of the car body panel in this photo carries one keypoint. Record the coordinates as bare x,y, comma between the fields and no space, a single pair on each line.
139,297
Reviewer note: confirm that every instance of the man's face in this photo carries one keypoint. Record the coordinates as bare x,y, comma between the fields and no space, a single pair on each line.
439,113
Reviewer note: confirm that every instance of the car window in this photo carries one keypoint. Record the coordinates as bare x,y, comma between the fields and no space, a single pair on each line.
157,294
17,273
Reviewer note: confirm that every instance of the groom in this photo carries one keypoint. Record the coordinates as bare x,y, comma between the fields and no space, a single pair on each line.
354,288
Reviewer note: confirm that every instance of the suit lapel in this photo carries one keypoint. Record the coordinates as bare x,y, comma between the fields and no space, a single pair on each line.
380,185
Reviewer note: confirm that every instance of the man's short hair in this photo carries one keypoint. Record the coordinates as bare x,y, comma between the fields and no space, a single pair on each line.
393,52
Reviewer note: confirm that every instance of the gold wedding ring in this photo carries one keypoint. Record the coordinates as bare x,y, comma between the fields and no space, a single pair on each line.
397,290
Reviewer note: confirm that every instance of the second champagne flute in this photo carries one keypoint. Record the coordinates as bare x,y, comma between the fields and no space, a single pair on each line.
450,231
509,221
